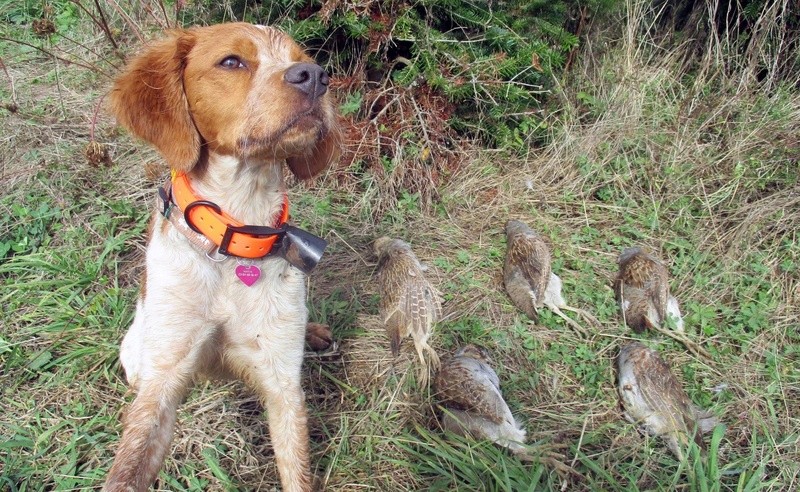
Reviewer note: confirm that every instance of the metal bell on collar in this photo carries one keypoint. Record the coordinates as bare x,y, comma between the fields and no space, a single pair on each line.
300,248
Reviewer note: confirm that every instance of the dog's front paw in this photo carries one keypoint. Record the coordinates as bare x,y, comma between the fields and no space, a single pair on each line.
318,336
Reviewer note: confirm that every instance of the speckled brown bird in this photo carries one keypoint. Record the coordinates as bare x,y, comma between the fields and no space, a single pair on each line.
642,290
468,391
409,304
528,276
654,399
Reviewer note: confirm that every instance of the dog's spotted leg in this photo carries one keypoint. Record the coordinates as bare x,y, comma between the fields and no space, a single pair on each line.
150,419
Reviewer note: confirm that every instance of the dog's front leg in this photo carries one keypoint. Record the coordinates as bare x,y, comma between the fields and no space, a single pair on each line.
288,428
273,371
150,419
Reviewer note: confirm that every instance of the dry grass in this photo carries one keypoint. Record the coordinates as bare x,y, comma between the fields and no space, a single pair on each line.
705,173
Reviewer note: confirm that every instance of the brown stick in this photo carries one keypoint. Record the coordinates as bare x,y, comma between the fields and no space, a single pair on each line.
11,82
93,68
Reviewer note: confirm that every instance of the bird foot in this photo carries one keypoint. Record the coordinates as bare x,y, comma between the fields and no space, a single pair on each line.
681,337
571,322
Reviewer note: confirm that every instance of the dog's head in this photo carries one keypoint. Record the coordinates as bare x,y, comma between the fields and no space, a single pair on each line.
231,89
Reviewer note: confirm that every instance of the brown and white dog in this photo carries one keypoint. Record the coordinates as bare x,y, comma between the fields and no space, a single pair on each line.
226,106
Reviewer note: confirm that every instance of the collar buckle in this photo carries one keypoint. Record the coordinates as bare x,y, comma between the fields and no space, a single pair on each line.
166,200
187,213
250,230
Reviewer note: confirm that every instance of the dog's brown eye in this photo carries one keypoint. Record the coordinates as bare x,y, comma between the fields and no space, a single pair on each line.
231,62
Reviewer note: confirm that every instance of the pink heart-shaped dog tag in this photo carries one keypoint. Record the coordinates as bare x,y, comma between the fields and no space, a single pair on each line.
248,274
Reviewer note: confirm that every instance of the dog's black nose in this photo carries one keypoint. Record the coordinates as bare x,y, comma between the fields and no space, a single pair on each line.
311,79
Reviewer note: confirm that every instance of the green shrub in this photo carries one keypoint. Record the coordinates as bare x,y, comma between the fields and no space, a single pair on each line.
481,66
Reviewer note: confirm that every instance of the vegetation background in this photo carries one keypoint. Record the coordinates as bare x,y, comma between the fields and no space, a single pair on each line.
601,123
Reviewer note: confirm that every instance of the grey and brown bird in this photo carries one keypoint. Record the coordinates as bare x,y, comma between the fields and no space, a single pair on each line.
409,304
653,399
528,276
467,390
642,290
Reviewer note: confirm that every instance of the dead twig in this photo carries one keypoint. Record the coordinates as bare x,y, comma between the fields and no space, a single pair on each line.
93,68
100,21
13,106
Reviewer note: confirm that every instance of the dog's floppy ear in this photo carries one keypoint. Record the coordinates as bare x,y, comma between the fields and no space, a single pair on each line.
321,156
148,99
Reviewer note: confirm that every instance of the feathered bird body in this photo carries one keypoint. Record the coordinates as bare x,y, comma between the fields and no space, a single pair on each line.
528,275
468,390
409,305
642,289
527,270
654,399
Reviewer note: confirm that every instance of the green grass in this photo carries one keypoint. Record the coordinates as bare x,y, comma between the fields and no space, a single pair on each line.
701,168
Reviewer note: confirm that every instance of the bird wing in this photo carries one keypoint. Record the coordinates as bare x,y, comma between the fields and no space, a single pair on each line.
390,283
637,308
472,386
519,290
420,304
396,330
665,394
658,290
392,290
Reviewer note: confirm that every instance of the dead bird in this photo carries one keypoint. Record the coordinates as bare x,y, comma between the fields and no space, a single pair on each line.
468,391
642,290
409,304
653,399
528,276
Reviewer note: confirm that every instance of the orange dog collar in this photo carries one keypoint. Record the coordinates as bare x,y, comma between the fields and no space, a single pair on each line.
233,237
